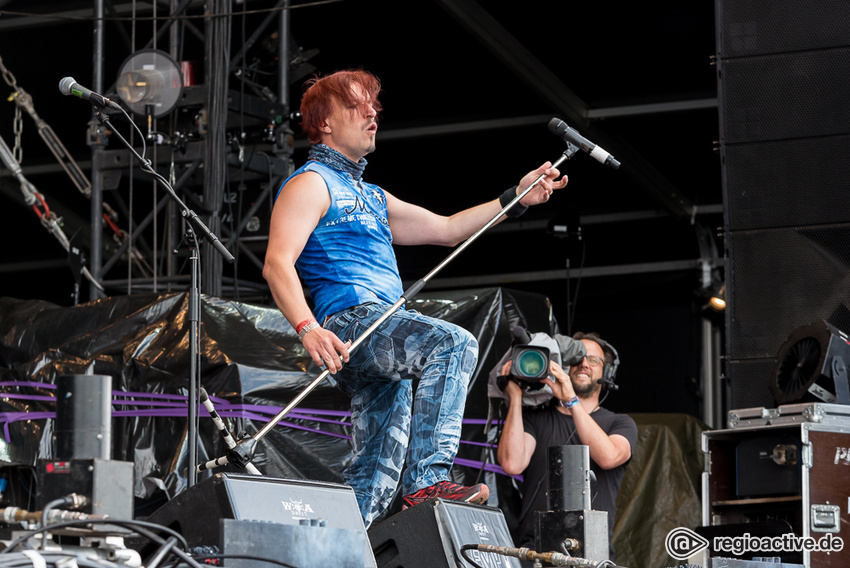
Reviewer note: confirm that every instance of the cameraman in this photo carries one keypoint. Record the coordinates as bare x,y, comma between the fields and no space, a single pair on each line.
573,417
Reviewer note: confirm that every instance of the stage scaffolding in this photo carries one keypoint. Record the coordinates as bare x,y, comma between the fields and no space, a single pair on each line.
197,160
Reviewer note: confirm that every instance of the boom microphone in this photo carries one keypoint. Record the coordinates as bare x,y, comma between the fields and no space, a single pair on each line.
69,86
559,128
520,336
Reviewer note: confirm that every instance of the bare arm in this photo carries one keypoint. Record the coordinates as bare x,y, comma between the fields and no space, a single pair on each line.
301,204
607,451
414,225
516,446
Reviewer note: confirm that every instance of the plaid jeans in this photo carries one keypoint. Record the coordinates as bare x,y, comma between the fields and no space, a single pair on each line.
379,379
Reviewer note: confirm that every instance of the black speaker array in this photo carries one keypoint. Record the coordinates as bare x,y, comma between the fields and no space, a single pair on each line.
783,69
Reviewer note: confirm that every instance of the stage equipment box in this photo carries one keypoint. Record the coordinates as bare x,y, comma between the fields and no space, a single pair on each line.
589,528
107,484
197,511
431,535
778,471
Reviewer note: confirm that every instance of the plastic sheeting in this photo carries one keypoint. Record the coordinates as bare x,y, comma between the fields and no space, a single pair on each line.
661,489
252,365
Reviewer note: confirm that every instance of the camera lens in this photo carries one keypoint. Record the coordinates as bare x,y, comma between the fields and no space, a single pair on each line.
530,363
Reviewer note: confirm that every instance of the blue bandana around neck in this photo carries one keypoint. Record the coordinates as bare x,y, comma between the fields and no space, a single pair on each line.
326,155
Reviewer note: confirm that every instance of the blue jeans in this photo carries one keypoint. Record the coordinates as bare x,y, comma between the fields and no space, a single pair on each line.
379,379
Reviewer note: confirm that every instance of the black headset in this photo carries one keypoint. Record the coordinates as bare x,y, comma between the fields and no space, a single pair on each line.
609,373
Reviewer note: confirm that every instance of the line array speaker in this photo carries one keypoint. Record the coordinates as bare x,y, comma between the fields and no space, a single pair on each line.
785,127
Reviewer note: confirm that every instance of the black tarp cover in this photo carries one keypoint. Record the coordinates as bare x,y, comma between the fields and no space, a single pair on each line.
252,365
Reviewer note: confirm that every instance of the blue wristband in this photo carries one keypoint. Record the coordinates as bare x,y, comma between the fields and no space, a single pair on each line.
570,403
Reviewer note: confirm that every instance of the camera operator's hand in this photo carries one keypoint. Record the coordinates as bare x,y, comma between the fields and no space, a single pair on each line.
512,389
562,386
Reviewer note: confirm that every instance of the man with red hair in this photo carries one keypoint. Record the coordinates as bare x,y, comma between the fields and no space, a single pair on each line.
336,231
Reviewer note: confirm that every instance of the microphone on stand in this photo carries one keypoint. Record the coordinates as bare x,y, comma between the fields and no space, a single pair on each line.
571,136
69,86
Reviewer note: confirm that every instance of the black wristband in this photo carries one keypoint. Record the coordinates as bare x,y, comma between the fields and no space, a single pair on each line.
506,198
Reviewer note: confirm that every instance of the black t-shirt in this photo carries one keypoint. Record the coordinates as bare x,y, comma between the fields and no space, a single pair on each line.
553,428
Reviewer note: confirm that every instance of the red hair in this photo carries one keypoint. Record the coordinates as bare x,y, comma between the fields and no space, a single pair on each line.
320,93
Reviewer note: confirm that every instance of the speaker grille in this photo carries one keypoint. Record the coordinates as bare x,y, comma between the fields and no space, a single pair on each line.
783,67
788,183
750,386
776,97
782,279
758,27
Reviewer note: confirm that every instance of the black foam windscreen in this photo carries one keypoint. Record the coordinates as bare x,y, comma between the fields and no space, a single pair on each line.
431,534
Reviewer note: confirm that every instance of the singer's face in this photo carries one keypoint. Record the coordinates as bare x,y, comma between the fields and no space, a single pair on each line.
584,376
351,129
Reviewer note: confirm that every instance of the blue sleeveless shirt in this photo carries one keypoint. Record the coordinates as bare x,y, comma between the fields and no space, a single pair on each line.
348,259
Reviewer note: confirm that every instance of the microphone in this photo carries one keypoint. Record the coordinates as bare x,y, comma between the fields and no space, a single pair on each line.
69,86
520,336
559,128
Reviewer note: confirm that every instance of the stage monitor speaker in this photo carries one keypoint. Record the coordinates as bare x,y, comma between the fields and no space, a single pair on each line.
195,513
304,546
431,534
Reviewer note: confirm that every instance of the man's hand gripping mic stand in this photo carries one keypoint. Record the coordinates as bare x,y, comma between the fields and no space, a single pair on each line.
243,452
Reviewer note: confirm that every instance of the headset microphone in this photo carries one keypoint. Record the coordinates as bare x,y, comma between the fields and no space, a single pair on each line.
610,371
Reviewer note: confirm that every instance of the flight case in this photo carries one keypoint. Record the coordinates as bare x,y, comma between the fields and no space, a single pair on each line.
781,470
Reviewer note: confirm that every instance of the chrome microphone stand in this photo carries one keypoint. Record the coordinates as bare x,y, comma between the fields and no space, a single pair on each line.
243,452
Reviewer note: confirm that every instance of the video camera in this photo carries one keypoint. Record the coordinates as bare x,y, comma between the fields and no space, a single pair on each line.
530,355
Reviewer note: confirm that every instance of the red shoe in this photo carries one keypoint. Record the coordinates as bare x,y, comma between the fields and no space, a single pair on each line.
477,494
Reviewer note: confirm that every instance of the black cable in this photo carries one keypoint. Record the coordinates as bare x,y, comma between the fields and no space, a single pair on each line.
46,511
571,307
247,557
466,557
162,553
140,527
